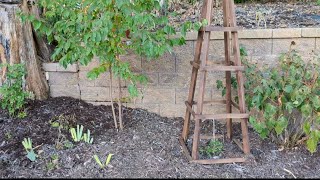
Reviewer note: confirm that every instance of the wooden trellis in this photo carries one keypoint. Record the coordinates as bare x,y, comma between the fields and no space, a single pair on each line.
232,63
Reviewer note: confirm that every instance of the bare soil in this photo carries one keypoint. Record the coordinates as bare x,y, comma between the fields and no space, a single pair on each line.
148,147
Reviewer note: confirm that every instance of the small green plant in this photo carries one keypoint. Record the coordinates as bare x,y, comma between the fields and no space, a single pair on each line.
214,148
67,144
12,95
76,134
284,100
27,144
96,158
53,162
22,115
87,138
318,2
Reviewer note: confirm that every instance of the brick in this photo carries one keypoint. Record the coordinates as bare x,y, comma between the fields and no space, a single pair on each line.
184,54
174,80
94,63
310,32
257,47
63,78
50,67
95,94
303,45
158,95
172,110
64,90
84,81
166,63
286,33
154,108
255,34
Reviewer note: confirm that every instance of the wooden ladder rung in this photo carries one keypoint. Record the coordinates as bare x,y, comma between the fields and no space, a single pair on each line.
222,68
222,101
222,116
218,161
223,29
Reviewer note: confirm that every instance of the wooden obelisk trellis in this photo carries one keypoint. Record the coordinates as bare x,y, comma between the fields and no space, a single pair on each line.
200,64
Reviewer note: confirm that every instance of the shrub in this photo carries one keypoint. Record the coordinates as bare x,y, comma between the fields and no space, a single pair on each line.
13,97
284,100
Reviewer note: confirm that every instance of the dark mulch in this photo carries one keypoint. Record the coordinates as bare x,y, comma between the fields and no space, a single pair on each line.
147,147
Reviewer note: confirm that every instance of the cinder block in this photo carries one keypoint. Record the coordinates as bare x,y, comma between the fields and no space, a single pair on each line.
257,47
153,79
174,80
65,90
94,63
70,68
95,94
165,63
84,81
216,48
304,46
255,34
183,93
311,32
99,103
104,81
286,33
158,95
134,61
172,110
50,67
63,78
184,54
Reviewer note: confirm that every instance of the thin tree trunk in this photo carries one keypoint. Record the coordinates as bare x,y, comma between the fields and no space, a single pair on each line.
112,106
17,39
120,104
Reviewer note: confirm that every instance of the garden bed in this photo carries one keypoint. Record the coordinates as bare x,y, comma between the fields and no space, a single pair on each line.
148,147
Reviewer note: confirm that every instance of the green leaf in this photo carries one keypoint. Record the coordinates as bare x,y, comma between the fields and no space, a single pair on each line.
31,155
281,124
108,159
306,127
306,110
316,101
288,89
96,158
312,144
36,24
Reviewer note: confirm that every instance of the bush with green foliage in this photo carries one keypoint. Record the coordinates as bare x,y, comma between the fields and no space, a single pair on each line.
214,148
12,95
83,29
284,100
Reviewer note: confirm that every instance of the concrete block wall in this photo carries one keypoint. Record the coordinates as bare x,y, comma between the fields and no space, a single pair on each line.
169,77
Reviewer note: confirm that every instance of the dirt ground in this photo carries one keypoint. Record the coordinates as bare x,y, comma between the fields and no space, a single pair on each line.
148,147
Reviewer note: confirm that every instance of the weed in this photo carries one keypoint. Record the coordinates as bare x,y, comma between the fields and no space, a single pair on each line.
27,144
214,148
96,158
